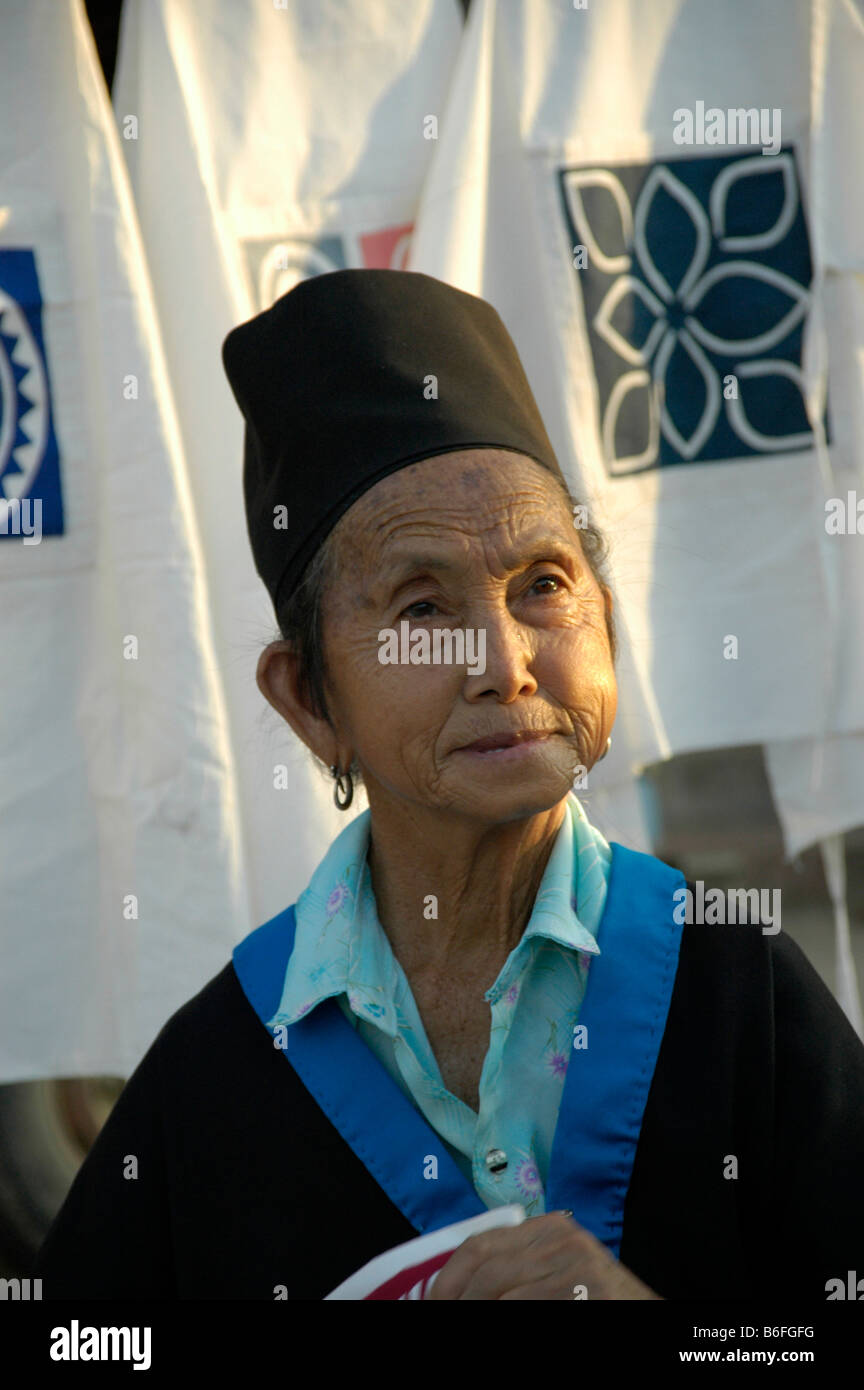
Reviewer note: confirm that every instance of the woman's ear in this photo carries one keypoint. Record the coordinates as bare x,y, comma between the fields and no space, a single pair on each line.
610,626
278,679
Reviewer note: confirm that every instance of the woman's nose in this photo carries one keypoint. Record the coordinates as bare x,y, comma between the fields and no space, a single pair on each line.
509,650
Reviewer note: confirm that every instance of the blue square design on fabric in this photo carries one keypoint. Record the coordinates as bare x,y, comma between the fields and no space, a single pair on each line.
29,458
695,277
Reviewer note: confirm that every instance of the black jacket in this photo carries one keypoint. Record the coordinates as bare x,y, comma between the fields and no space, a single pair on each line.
243,1184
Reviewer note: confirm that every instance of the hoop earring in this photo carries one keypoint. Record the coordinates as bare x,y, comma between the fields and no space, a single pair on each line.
606,749
339,788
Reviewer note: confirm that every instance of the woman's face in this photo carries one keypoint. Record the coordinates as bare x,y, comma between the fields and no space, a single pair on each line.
480,540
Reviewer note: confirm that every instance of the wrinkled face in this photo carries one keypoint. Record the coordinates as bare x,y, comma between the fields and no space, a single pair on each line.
481,541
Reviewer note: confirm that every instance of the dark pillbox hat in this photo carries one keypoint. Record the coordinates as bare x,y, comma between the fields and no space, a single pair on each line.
330,381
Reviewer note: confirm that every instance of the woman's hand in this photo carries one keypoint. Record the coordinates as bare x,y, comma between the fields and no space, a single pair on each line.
546,1257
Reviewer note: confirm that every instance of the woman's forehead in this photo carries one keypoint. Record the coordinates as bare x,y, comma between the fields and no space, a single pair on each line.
478,484
486,503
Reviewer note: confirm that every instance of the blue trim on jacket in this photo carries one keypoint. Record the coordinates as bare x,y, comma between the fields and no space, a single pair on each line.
624,1011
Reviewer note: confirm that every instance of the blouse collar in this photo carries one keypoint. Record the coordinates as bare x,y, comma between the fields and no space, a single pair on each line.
340,946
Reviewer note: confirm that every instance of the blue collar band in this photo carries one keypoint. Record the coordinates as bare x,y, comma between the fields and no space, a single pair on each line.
623,1016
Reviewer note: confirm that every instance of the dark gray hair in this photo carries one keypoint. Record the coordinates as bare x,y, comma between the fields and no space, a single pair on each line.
300,615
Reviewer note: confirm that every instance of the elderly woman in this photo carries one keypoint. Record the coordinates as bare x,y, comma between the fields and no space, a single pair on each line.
476,1001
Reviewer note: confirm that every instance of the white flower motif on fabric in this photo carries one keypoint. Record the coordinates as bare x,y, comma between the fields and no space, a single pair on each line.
753,168
577,179
685,323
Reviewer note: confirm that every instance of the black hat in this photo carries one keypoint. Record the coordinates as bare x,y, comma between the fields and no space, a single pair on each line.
335,384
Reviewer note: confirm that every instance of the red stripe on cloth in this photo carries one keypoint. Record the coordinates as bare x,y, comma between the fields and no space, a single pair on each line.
405,1280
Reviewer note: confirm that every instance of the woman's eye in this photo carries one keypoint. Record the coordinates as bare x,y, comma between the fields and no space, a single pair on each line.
421,603
547,579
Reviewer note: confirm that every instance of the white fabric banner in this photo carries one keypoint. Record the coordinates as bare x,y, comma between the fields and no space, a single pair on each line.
266,144
121,887
818,783
688,310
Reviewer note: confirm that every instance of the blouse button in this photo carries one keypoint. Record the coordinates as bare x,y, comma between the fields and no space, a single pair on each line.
496,1160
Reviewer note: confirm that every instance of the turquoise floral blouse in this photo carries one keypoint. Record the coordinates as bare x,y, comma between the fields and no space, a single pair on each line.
342,950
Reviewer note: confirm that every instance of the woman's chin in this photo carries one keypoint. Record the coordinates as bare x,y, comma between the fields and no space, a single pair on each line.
510,794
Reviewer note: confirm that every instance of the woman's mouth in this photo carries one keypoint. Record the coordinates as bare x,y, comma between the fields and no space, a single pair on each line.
507,747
